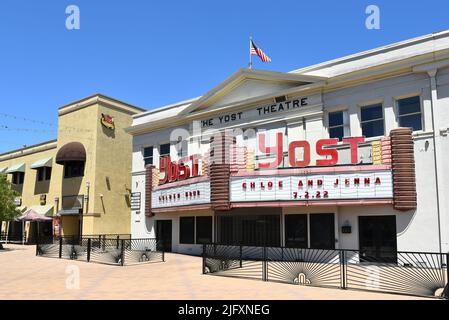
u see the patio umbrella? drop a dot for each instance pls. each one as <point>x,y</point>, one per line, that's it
<point>31,215</point>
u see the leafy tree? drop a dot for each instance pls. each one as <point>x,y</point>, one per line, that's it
<point>8,209</point>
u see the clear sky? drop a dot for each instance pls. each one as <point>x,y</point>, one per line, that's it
<point>150,53</point>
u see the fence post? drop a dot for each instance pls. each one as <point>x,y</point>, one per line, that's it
<point>122,260</point>
<point>264,264</point>
<point>73,253</point>
<point>88,249</point>
<point>103,247</point>
<point>241,250</point>
<point>343,268</point>
<point>60,247</point>
<point>99,242</point>
<point>204,258</point>
<point>118,237</point>
<point>37,245</point>
<point>446,289</point>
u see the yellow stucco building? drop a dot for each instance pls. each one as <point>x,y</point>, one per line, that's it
<point>83,178</point>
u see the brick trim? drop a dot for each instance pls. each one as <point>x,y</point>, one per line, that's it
<point>403,168</point>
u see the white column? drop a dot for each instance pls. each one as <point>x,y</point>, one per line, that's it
<point>436,147</point>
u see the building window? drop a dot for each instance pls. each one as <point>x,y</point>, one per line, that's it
<point>203,230</point>
<point>18,177</point>
<point>43,173</point>
<point>409,113</point>
<point>187,230</point>
<point>148,155</point>
<point>164,150</point>
<point>338,124</point>
<point>73,169</point>
<point>372,121</point>
<point>182,147</point>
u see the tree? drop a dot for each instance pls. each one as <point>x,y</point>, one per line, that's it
<point>8,208</point>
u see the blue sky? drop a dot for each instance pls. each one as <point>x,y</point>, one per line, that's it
<point>151,53</point>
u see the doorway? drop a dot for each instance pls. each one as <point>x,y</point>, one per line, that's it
<point>296,231</point>
<point>377,239</point>
<point>322,231</point>
<point>316,231</point>
<point>164,235</point>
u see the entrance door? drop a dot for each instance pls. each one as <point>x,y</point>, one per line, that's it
<point>377,239</point>
<point>164,235</point>
<point>322,231</point>
<point>296,230</point>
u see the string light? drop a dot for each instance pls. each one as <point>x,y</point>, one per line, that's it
<point>10,116</point>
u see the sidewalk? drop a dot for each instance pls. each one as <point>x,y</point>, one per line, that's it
<point>25,276</point>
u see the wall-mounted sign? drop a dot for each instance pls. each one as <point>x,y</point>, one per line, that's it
<point>332,186</point>
<point>170,171</point>
<point>43,199</point>
<point>258,112</point>
<point>18,201</point>
<point>323,148</point>
<point>135,200</point>
<point>56,226</point>
<point>195,193</point>
<point>107,121</point>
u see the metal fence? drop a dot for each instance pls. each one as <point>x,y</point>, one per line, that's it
<point>411,273</point>
<point>107,249</point>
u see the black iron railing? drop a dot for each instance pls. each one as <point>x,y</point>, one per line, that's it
<point>108,249</point>
<point>411,273</point>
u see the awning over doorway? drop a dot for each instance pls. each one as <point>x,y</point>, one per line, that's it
<point>43,210</point>
<point>69,212</point>
<point>73,151</point>
<point>16,168</point>
<point>42,163</point>
<point>31,215</point>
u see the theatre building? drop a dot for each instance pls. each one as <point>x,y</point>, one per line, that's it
<point>351,153</point>
<point>81,180</point>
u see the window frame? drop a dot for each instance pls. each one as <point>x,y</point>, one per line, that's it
<point>198,218</point>
<point>66,176</point>
<point>398,116</point>
<point>46,174</point>
<point>182,239</point>
<point>373,104</point>
<point>345,124</point>
<point>18,178</point>
<point>160,147</point>
<point>180,150</point>
<point>152,155</point>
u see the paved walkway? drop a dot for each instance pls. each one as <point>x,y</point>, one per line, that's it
<point>25,276</point>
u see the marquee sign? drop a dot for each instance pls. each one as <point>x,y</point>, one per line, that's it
<point>195,193</point>
<point>332,186</point>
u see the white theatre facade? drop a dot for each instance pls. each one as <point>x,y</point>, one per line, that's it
<point>350,154</point>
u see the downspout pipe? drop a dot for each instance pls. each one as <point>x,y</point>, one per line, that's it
<point>434,98</point>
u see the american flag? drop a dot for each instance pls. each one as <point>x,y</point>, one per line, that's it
<point>254,50</point>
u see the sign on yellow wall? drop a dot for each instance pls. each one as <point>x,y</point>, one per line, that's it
<point>107,121</point>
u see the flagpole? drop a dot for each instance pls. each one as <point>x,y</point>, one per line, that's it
<point>250,55</point>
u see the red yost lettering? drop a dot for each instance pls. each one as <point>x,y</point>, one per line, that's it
<point>354,144</point>
<point>292,156</point>
<point>276,150</point>
<point>173,171</point>
<point>333,153</point>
